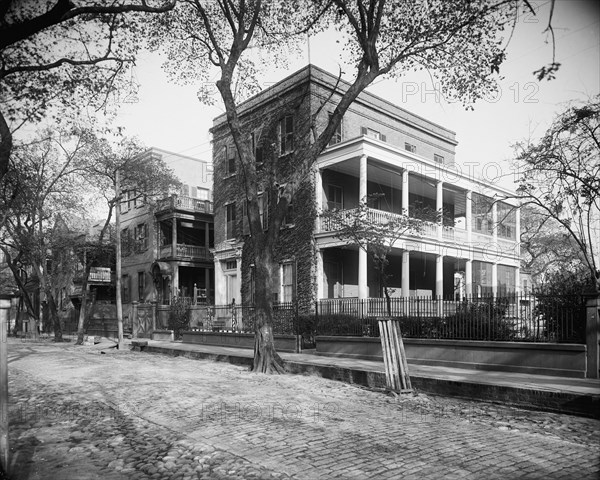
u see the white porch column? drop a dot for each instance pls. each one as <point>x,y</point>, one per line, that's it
<point>363,289</point>
<point>175,281</point>
<point>439,276</point>
<point>469,278</point>
<point>405,273</point>
<point>318,198</point>
<point>174,238</point>
<point>468,216</point>
<point>518,280</point>
<point>494,280</point>
<point>362,186</point>
<point>404,192</point>
<point>439,206</point>
<point>495,222</point>
<point>439,283</point>
<point>320,280</point>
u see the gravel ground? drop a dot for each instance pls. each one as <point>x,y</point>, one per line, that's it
<point>78,413</point>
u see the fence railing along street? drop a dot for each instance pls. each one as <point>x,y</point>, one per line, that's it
<point>527,317</point>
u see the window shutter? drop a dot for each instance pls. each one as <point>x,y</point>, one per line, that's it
<point>266,211</point>
<point>245,224</point>
<point>294,280</point>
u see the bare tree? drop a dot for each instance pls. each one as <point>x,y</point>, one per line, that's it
<point>62,53</point>
<point>560,175</point>
<point>456,41</point>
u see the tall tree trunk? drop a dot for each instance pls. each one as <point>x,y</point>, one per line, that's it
<point>55,320</point>
<point>118,299</point>
<point>266,359</point>
<point>87,267</point>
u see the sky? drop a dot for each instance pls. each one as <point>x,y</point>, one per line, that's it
<point>171,117</point>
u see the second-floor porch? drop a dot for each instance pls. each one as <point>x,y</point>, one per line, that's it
<point>465,211</point>
<point>185,239</point>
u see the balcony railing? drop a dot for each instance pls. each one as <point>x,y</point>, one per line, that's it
<point>181,202</point>
<point>100,275</point>
<point>182,251</point>
<point>429,229</point>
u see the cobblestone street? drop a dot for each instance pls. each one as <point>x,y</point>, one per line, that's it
<point>76,413</point>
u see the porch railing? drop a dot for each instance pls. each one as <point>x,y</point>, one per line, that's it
<point>429,230</point>
<point>185,203</point>
<point>186,251</point>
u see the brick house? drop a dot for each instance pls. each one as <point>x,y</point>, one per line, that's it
<point>379,148</point>
<point>166,243</point>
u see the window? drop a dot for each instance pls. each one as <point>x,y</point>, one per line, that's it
<point>263,210</point>
<point>125,242</point>
<point>438,158</point>
<point>257,148</point>
<point>184,190</point>
<point>141,237</point>
<point>288,282</point>
<point>369,132</point>
<point>286,134</point>
<point>289,215</point>
<point>481,213</point>
<point>202,193</point>
<point>337,134</point>
<point>507,221</point>
<point>482,278</point>
<point>141,286</point>
<point>230,154</point>
<point>231,226</point>
<point>410,147</point>
<point>230,264</point>
<point>335,197</point>
<point>126,289</point>
<point>506,279</point>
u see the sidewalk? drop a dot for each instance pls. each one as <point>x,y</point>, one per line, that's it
<point>577,396</point>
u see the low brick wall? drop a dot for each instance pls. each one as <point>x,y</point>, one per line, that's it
<point>163,335</point>
<point>283,343</point>
<point>565,360</point>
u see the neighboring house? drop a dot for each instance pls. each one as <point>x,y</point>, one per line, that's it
<point>166,243</point>
<point>379,148</point>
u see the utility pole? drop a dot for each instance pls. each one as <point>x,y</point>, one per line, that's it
<point>118,299</point>
<point>4,313</point>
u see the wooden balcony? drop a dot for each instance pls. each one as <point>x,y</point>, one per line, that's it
<point>188,204</point>
<point>185,252</point>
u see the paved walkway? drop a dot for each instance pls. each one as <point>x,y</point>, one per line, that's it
<point>561,394</point>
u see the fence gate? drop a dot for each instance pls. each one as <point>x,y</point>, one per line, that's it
<point>143,324</point>
<point>394,356</point>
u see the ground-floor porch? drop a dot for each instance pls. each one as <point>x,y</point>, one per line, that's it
<point>174,279</point>
<point>348,272</point>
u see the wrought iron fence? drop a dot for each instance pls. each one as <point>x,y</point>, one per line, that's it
<point>242,318</point>
<point>532,317</point>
